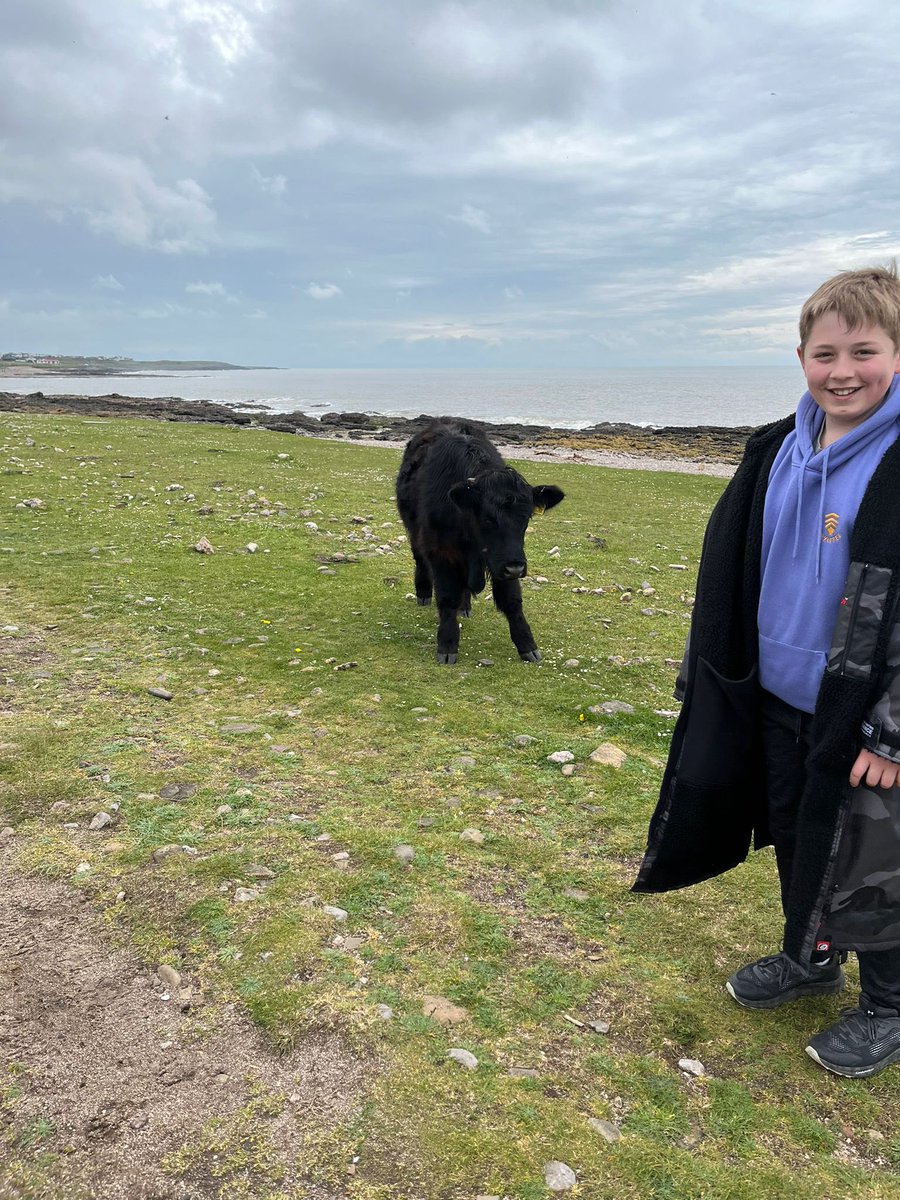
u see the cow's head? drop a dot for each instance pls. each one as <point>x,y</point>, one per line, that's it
<point>501,504</point>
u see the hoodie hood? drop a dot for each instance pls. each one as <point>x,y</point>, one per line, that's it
<point>811,504</point>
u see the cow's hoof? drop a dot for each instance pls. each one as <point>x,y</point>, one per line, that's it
<point>465,612</point>
<point>446,659</point>
<point>423,600</point>
<point>531,656</point>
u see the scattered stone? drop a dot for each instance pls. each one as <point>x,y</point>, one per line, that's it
<point>599,1026</point>
<point>257,872</point>
<point>176,792</point>
<point>523,1073</point>
<point>159,693</point>
<point>559,1177</point>
<point>7,835</point>
<point>524,739</point>
<point>426,822</point>
<point>606,1129</point>
<point>223,810</point>
<point>100,821</point>
<point>561,756</point>
<point>384,1011</point>
<point>608,755</point>
<point>568,769</point>
<point>204,547</point>
<point>485,662</point>
<point>164,852</point>
<point>610,707</point>
<point>444,1011</point>
<point>464,760</point>
<point>475,836</point>
<point>339,914</point>
<point>404,854</point>
<point>465,1058</point>
<point>572,663</point>
<point>352,943</point>
<point>169,977</point>
<point>677,566</point>
<point>251,547</point>
<point>346,666</point>
<point>691,1066</point>
<point>243,894</point>
<point>82,868</point>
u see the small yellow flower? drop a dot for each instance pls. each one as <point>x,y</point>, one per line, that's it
<point>581,716</point>
<point>265,622</point>
<point>298,649</point>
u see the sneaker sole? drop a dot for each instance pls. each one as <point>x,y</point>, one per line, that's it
<point>797,993</point>
<point>854,1072</point>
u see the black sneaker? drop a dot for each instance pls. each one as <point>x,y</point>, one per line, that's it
<point>859,1044</point>
<point>776,979</point>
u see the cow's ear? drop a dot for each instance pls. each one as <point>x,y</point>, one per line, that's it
<point>464,495</point>
<point>546,496</point>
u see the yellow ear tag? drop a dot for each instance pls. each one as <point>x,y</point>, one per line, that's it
<point>537,509</point>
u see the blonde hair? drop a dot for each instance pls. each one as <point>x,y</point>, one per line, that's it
<point>870,296</point>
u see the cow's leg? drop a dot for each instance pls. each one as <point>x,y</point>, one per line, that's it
<point>465,604</point>
<point>448,589</point>
<point>508,598</point>
<point>423,579</point>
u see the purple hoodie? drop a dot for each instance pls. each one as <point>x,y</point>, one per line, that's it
<point>811,504</point>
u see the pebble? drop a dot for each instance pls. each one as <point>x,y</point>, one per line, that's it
<point>692,1066</point>
<point>164,852</point>
<point>159,693</point>
<point>251,547</point>
<point>485,662</point>
<point>100,821</point>
<point>609,755</point>
<point>475,836</point>
<point>524,739</point>
<point>243,894</point>
<point>384,1011</point>
<point>561,756</point>
<point>606,1129</point>
<point>169,977</point>
<point>559,1177</point>
<point>204,547</point>
<point>609,707</point>
<point>339,914</point>
<point>404,854</point>
<point>465,1058</point>
<point>569,769</point>
<point>465,760</point>
<point>523,1073</point>
<point>177,791</point>
<point>7,835</point>
<point>258,872</point>
<point>223,810</point>
<point>599,1026</point>
<point>572,663</point>
<point>574,893</point>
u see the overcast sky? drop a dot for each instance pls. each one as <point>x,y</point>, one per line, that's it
<point>346,183</point>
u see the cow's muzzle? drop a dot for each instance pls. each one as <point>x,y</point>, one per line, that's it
<point>514,570</point>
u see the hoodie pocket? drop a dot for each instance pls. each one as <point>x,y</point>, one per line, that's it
<point>721,729</point>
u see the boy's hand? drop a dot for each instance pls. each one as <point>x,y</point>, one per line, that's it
<point>877,771</point>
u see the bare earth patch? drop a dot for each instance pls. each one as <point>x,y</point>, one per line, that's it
<point>105,1077</point>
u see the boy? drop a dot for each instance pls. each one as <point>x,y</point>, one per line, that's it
<point>789,732</point>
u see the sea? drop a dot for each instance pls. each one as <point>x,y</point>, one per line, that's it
<point>567,399</point>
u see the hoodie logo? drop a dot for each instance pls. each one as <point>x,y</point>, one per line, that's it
<point>831,523</point>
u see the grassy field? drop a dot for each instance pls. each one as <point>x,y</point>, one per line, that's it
<point>317,736</point>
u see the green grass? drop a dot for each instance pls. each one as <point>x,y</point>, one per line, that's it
<point>108,599</point>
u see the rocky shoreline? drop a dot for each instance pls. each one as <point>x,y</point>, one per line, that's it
<point>699,444</point>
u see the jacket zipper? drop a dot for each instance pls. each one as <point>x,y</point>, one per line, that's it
<point>845,653</point>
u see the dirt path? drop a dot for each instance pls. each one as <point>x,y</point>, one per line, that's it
<point>103,1070</point>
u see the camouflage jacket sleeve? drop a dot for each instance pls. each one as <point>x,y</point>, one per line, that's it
<point>853,650</point>
<point>881,729</point>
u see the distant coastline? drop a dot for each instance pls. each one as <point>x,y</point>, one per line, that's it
<point>64,365</point>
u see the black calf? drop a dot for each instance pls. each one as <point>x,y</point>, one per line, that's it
<point>466,513</point>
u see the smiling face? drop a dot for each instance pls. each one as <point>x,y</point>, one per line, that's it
<point>848,371</point>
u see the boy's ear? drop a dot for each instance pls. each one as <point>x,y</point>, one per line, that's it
<point>464,495</point>
<point>800,354</point>
<point>546,496</point>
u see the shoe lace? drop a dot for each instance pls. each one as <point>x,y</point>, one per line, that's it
<point>776,966</point>
<point>865,1024</point>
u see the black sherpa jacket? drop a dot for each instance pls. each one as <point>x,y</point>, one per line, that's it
<point>846,886</point>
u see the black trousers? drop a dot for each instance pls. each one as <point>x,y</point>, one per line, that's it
<point>786,743</point>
